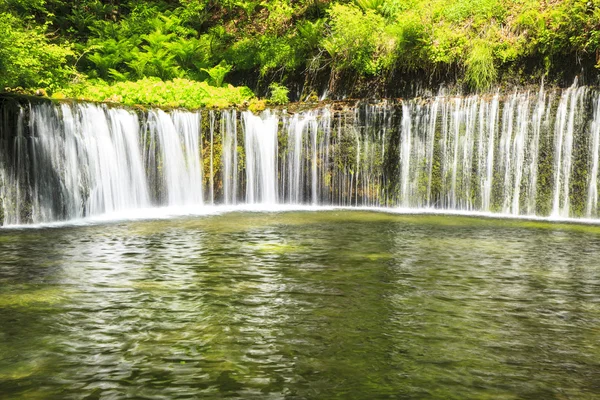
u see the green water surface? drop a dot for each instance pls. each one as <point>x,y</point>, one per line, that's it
<point>301,305</point>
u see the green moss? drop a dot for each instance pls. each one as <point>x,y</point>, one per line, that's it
<point>546,168</point>
<point>581,162</point>
<point>153,91</point>
<point>31,297</point>
<point>21,370</point>
<point>277,248</point>
<point>480,69</point>
<point>212,150</point>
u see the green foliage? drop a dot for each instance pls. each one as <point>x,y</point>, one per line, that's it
<point>310,32</point>
<point>280,16</point>
<point>392,8</point>
<point>358,40</point>
<point>264,54</point>
<point>460,10</point>
<point>481,72</point>
<point>218,72</point>
<point>153,91</point>
<point>279,94</point>
<point>28,60</point>
<point>412,42</point>
<point>129,40</point>
<point>111,54</point>
<point>367,5</point>
<point>158,46</point>
<point>276,52</point>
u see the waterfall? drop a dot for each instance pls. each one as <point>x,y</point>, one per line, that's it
<point>177,138</point>
<point>261,156</point>
<point>569,110</point>
<point>74,161</point>
<point>211,173</point>
<point>295,128</point>
<point>304,163</point>
<point>230,156</point>
<point>110,144</point>
<point>405,156</point>
<point>592,197</point>
<point>522,153</point>
<point>488,119</point>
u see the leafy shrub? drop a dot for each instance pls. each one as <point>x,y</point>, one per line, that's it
<point>28,60</point>
<point>280,15</point>
<point>413,41</point>
<point>276,52</point>
<point>370,4</point>
<point>153,91</point>
<point>218,72</point>
<point>311,31</point>
<point>481,71</point>
<point>156,46</point>
<point>460,10</point>
<point>256,105</point>
<point>125,40</point>
<point>358,40</point>
<point>279,94</point>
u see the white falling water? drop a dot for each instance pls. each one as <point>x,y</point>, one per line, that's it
<point>516,155</point>
<point>230,156</point>
<point>177,136</point>
<point>13,170</point>
<point>305,160</point>
<point>488,120</point>
<point>261,157</point>
<point>457,151</point>
<point>314,184</point>
<point>592,197</point>
<point>295,144</point>
<point>74,181</point>
<point>187,126</point>
<point>371,139</point>
<point>89,152</point>
<point>116,178</point>
<point>211,172</point>
<point>325,162</point>
<point>405,155</point>
<point>505,154</point>
<point>525,153</point>
<point>538,118</point>
<point>50,148</point>
<point>569,108</point>
<point>429,146</point>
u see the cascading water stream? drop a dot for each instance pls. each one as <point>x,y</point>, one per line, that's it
<point>228,127</point>
<point>525,153</point>
<point>177,139</point>
<point>261,157</point>
<point>592,198</point>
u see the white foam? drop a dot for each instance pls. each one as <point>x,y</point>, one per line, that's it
<point>166,213</point>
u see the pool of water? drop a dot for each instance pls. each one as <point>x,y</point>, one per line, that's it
<point>301,305</point>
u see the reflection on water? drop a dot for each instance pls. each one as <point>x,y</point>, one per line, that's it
<point>335,304</point>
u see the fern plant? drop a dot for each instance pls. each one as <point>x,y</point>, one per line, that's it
<point>217,73</point>
<point>279,94</point>
<point>370,4</point>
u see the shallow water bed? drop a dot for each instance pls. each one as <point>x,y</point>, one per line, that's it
<point>329,304</point>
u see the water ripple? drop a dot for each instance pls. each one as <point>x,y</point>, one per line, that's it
<point>349,304</point>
